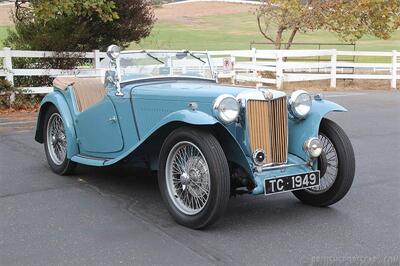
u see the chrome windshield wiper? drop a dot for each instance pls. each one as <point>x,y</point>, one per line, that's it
<point>194,56</point>
<point>153,57</point>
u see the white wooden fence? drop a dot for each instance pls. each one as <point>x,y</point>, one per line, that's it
<point>9,72</point>
<point>250,64</point>
<point>242,65</point>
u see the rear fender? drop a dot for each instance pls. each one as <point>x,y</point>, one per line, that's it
<point>57,99</point>
<point>301,130</point>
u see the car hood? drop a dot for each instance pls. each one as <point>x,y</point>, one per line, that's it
<point>199,91</point>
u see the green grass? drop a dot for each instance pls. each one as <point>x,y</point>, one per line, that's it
<point>238,30</point>
<point>3,34</point>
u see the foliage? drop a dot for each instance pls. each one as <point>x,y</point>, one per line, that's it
<point>5,86</point>
<point>45,11</point>
<point>12,98</point>
<point>275,17</point>
<point>350,20</point>
<point>76,25</point>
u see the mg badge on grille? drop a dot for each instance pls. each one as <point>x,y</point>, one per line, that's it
<point>268,95</point>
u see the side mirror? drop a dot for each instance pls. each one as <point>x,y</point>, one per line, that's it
<point>113,52</point>
<point>112,76</point>
<point>110,79</point>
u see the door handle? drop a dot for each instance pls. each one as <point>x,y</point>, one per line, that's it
<point>113,119</point>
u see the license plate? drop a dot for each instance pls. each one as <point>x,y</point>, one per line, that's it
<point>291,182</point>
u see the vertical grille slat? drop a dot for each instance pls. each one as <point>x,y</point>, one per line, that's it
<point>267,124</point>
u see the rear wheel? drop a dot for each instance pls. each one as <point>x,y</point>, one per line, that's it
<point>193,177</point>
<point>55,143</point>
<point>336,164</point>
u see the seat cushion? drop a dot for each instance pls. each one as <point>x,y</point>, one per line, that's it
<point>88,90</point>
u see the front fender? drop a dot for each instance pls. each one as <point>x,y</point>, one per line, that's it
<point>187,116</point>
<point>301,130</point>
<point>57,99</point>
<point>153,139</point>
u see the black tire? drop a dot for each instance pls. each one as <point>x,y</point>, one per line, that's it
<point>67,166</point>
<point>219,188</point>
<point>345,171</point>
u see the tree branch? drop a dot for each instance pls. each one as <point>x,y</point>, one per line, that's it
<point>291,38</point>
<point>261,30</point>
<point>278,39</point>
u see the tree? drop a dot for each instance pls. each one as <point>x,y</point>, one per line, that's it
<point>280,20</point>
<point>351,20</point>
<point>80,25</point>
<point>77,26</point>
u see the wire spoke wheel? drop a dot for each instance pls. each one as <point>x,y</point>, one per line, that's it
<point>56,140</point>
<point>332,164</point>
<point>336,164</point>
<point>188,178</point>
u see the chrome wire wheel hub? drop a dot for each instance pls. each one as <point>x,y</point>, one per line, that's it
<point>56,140</point>
<point>187,178</point>
<point>331,163</point>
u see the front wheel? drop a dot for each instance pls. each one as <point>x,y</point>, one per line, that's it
<point>336,164</point>
<point>193,177</point>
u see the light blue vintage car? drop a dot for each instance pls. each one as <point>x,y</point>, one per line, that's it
<point>207,141</point>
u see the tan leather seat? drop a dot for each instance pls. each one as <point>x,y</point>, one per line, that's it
<point>88,90</point>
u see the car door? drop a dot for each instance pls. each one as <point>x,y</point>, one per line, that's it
<point>98,129</point>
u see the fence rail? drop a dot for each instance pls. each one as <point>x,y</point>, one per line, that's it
<point>248,64</point>
<point>240,65</point>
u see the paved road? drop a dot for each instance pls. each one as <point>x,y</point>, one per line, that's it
<point>115,216</point>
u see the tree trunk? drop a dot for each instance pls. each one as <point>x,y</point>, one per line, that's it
<point>291,38</point>
<point>278,38</point>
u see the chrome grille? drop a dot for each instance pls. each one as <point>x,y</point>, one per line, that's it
<point>267,125</point>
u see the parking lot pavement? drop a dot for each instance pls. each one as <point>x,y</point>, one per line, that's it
<point>115,216</point>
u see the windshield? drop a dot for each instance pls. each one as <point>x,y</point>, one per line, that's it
<point>139,65</point>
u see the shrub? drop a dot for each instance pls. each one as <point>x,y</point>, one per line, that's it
<point>12,98</point>
<point>63,26</point>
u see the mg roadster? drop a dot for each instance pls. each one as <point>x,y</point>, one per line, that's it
<point>206,140</point>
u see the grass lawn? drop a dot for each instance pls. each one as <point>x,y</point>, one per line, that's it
<point>236,31</point>
<point>3,34</point>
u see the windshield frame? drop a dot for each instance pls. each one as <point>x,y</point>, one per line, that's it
<point>151,52</point>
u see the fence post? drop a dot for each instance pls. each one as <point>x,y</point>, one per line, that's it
<point>233,72</point>
<point>254,59</point>
<point>394,70</point>
<point>96,59</point>
<point>333,68</point>
<point>279,70</point>
<point>7,64</point>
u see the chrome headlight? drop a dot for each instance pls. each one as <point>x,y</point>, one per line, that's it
<point>226,108</point>
<point>300,103</point>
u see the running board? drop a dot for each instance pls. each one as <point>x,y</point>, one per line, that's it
<point>94,161</point>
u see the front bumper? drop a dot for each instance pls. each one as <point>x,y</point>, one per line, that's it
<point>294,166</point>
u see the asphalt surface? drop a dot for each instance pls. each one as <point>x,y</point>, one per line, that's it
<point>115,215</point>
